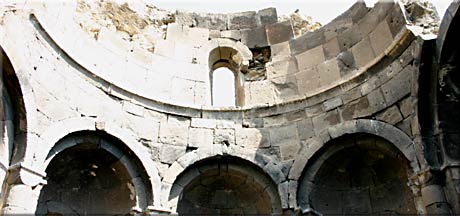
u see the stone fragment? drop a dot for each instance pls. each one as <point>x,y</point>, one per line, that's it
<point>170,153</point>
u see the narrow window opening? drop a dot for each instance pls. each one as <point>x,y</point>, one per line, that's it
<point>223,87</point>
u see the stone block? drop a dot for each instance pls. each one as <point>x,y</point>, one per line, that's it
<point>243,20</point>
<point>329,72</point>
<point>390,115</point>
<point>331,48</point>
<point>283,190</point>
<point>305,129</point>
<point>280,51</point>
<point>325,120</point>
<point>397,87</point>
<point>198,35</point>
<point>298,45</point>
<point>145,128</point>
<point>217,21</point>
<point>310,58</point>
<point>200,137</point>
<point>293,186</point>
<point>332,103</point>
<point>267,16</point>
<point>395,20</point>
<point>232,34</point>
<point>287,139</point>
<point>285,88</point>
<point>376,101</point>
<point>165,48</point>
<point>172,173</point>
<point>214,34</point>
<point>224,137</point>
<point>363,53</point>
<point>349,38</point>
<point>406,106</point>
<point>381,38</point>
<point>346,62</point>
<point>170,153</point>
<point>250,138</point>
<point>188,159</point>
<point>308,81</point>
<point>279,32</point>
<point>256,37</point>
<point>261,93</point>
<point>368,23</point>
<point>173,135</point>
<point>281,68</point>
<point>351,95</point>
<point>275,173</point>
<point>182,91</point>
<point>203,123</point>
<point>405,126</point>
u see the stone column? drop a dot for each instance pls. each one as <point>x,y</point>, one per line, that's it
<point>22,190</point>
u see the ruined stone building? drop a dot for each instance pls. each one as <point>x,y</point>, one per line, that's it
<point>111,108</point>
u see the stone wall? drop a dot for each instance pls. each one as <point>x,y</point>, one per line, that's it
<point>152,112</point>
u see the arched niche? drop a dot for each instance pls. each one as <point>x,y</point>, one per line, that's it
<point>93,173</point>
<point>231,55</point>
<point>224,185</point>
<point>357,174</point>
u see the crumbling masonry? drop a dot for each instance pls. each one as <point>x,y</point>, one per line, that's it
<point>107,108</point>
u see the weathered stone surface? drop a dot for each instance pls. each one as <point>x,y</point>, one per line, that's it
<point>287,138</point>
<point>250,138</point>
<point>325,120</point>
<point>332,103</point>
<point>173,135</point>
<point>310,58</point>
<point>398,87</point>
<point>267,16</point>
<point>390,115</point>
<point>200,137</point>
<point>363,53</point>
<point>349,38</point>
<point>244,20</point>
<point>331,48</point>
<point>170,153</point>
<point>224,137</point>
<point>406,106</point>
<point>279,32</point>
<point>256,37</point>
<point>380,38</point>
<point>328,72</point>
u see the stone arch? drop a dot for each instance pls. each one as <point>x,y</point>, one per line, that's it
<point>104,172</point>
<point>20,101</point>
<point>232,55</point>
<point>228,185</point>
<point>356,173</point>
<point>63,128</point>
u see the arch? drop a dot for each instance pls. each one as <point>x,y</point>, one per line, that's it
<point>22,100</point>
<point>73,125</point>
<point>357,173</point>
<point>232,55</point>
<point>234,178</point>
<point>259,159</point>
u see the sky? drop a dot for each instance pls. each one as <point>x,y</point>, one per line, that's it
<point>322,11</point>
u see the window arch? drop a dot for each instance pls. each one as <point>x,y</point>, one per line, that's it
<point>226,63</point>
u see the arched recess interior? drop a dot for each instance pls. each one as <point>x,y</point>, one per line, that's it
<point>93,173</point>
<point>224,185</point>
<point>13,126</point>
<point>357,174</point>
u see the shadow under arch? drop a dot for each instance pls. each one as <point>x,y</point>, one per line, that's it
<point>357,173</point>
<point>92,172</point>
<point>224,185</point>
<point>12,88</point>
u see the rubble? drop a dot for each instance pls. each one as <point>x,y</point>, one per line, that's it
<point>300,23</point>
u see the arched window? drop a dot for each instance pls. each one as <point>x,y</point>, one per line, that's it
<point>223,87</point>
<point>227,64</point>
